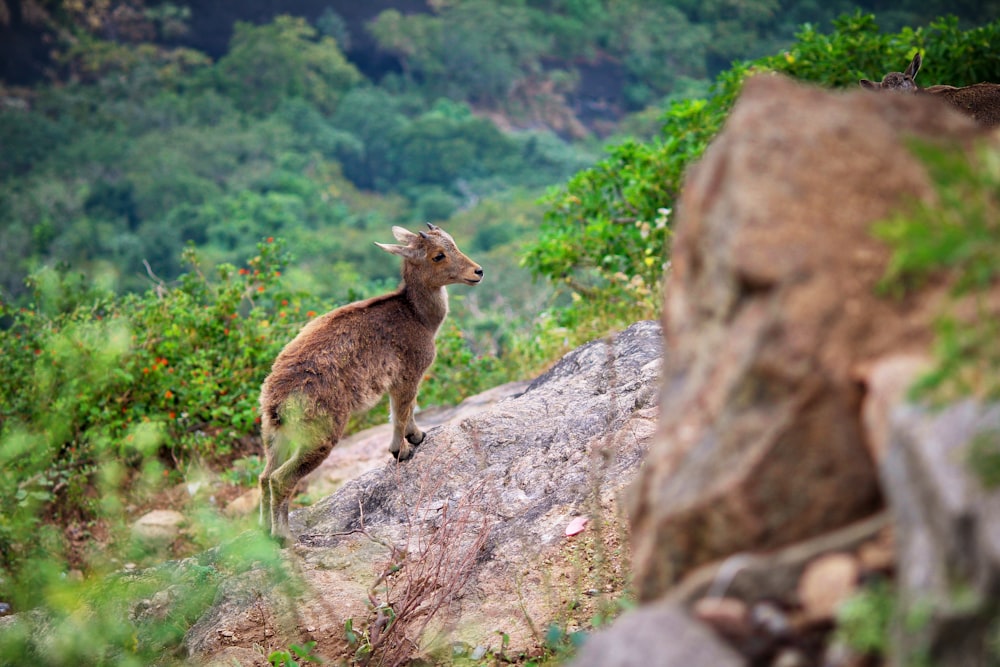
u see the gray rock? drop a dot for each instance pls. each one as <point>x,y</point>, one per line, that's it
<point>659,634</point>
<point>533,450</point>
<point>947,534</point>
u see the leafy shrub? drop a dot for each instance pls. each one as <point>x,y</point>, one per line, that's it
<point>605,236</point>
<point>863,620</point>
<point>104,397</point>
<point>170,376</point>
<point>955,241</point>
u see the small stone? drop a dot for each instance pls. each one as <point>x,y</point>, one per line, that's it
<point>728,616</point>
<point>878,555</point>
<point>767,616</point>
<point>790,657</point>
<point>244,505</point>
<point>826,583</point>
<point>577,525</point>
<point>158,526</point>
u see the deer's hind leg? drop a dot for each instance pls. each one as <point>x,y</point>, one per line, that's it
<point>303,454</point>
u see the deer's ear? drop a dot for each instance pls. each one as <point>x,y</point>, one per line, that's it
<point>401,250</point>
<point>869,85</point>
<point>392,248</point>
<point>403,235</point>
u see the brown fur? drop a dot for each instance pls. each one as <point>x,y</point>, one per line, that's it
<point>981,101</point>
<point>346,360</point>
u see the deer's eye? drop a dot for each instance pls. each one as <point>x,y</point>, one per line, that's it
<point>438,257</point>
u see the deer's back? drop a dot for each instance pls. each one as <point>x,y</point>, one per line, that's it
<point>349,357</point>
<point>981,101</point>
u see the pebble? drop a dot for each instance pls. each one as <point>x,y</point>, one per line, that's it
<point>826,583</point>
<point>727,615</point>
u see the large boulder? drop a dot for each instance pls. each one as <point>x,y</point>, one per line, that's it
<point>772,320</point>
<point>470,539</point>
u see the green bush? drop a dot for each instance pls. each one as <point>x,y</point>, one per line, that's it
<point>863,620</point>
<point>954,242</point>
<point>170,376</point>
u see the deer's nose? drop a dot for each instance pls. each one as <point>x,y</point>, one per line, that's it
<point>479,272</point>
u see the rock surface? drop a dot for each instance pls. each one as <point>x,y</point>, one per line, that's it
<point>771,319</point>
<point>362,452</point>
<point>365,451</point>
<point>668,637</point>
<point>479,515</point>
<point>948,535</point>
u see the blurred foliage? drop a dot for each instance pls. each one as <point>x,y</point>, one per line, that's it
<point>864,619</point>
<point>105,397</point>
<point>954,241</point>
<point>127,615</point>
<point>474,50</point>
<point>157,379</point>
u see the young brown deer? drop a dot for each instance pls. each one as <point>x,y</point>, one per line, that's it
<point>981,101</point>
<point>346,360</point>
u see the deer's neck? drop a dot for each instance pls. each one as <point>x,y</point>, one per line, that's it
<point>429,303</point>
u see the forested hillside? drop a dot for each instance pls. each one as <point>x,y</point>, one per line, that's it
<point>133,129</point>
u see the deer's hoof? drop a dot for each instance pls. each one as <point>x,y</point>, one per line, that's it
<point>282,539</point>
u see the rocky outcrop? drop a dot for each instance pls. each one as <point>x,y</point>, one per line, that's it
<point>474,527</point>
<point>771,318</point>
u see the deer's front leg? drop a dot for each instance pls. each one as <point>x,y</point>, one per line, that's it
<point>405,431</point>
